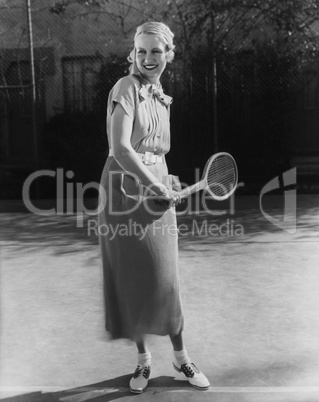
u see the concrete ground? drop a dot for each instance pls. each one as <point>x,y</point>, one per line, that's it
<point>250,296</point>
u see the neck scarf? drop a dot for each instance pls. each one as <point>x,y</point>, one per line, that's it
<point>148,90</point>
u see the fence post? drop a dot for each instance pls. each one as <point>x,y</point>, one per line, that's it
<point>34,91</point>
<point>214,76</point>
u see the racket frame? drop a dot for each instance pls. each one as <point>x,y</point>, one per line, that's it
<point>203,183</point>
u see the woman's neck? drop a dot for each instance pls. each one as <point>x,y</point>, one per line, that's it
<point>146,80</point>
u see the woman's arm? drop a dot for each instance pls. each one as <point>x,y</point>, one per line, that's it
<point>124,154</point>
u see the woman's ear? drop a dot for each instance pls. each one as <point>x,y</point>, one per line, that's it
<point>170,56</point>
<point>131,57</point>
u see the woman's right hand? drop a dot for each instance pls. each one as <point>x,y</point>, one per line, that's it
<point>170,197</point>
<point>159,189</point>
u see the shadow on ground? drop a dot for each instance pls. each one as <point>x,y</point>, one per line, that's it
<point>271,383</point>
<point>106,391</point>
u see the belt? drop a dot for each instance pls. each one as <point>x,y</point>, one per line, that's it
<point>148,158</point>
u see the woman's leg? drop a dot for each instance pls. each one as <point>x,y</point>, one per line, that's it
<point>141,344</point>
<point>140,378</point>
<point>177,341</point>
<point>180,353</point>
<point>144,356</point>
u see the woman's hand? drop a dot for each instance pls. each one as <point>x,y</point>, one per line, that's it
<point>175,198</point>
<point>171,197</point>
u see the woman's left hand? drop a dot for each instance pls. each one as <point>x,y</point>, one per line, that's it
<point>174,198</point>
<point>168,197</point>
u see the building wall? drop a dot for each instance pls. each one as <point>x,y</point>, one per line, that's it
<point>67,34</point>
<point>56,38</point>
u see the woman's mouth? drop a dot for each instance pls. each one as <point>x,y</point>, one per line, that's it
<point>150,67</point>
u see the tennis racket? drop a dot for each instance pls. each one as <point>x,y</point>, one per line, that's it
<point>220,178</point>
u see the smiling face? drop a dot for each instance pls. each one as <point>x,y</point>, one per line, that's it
<point>151,56</point>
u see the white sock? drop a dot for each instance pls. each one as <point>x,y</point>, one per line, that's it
<point>144,358</point>
<point>182,357</point>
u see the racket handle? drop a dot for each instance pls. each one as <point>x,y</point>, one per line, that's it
<point>192,189</point>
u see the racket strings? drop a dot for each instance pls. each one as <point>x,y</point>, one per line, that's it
<point>221,176</point>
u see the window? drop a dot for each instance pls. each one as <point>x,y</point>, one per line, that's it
<point>311,91</point>
<point>18,74</point>
<point>79,79</point>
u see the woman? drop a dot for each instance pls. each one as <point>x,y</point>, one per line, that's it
<point>138,222</point>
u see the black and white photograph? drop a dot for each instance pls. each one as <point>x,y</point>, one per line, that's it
<point>159,200</point>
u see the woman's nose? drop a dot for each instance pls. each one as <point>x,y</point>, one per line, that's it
<point>148,57</point>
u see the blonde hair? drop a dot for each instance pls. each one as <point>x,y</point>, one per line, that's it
<point>158,29</point>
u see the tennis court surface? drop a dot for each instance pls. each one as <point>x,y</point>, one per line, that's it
<point>250,296</point>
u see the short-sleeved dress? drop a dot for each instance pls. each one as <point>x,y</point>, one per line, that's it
<point>138,235</point>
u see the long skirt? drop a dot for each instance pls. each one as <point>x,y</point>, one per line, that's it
<point>139,247</point>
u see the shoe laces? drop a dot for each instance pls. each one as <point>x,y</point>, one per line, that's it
<point>189,369</point>
<point>143,370</point>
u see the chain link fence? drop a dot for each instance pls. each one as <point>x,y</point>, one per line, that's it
<point>79,59</point>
